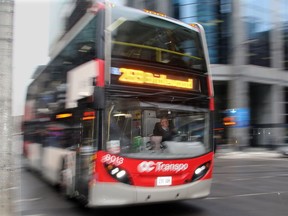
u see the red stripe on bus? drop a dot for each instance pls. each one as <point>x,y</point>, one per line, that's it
<point>100,78</point>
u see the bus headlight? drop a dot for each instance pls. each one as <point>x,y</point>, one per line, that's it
<point>201,171</point>
<point>117,173</point>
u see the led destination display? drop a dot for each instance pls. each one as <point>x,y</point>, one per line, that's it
<point>140,77</point>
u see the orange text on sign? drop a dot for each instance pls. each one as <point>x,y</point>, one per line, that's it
<point>142,77</point>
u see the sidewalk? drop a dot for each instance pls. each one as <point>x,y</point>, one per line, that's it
<point>229,151</point>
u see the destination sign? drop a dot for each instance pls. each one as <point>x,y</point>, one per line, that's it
<point>133,76</point>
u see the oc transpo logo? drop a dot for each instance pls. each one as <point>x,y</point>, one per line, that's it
<point>148,166</point>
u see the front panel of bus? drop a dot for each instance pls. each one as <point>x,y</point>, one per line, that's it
<point>155,68</point>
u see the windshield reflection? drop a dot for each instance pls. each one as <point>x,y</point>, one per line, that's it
<point>134,129</point>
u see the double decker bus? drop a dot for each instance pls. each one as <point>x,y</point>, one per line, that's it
<point>90,114</point>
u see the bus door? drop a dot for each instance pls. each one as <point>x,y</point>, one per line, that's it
<point>85,153</point>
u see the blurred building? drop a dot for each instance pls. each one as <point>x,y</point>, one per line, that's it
<point>248,47</point>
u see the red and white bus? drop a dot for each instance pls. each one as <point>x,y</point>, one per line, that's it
<point>90,114</point>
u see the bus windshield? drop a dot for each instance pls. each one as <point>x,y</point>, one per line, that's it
<point>132,125</point>
<point>141,36</point>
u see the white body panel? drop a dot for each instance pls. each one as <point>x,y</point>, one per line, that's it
<point>113,194</point>
<point>80,82</point>
<point>35,152</point>
<point>49,162</point>
<point>52,163</point>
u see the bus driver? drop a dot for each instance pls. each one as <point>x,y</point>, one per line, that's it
<point>163,129</point>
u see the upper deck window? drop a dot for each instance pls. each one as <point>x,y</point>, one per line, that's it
<point>141,36</point>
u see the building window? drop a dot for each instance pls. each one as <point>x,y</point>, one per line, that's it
<point>284,21</point>
<point>286,47</point>
<point>214,16</point>
<point>257,18</point>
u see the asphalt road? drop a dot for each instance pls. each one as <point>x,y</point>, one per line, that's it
<point>250,184</point>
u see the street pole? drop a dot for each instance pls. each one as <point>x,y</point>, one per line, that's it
<point>6,156</point>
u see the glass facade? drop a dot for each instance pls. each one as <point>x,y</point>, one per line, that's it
<point>284,26</point>
<point>259,20</point>
<point>214,16</point>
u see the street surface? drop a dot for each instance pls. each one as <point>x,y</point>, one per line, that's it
<point>250,184</point>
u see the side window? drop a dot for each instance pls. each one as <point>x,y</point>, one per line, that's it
<point>82,48</point>
<point>87,129</point>
<point>55,138</point>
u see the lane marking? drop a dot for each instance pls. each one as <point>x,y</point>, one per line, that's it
<point>28,200</point>
<point>276,158</point>
<point>239,166</point>
<point>260,177</point>
<point>251,178</point>
<point>247,195</point>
